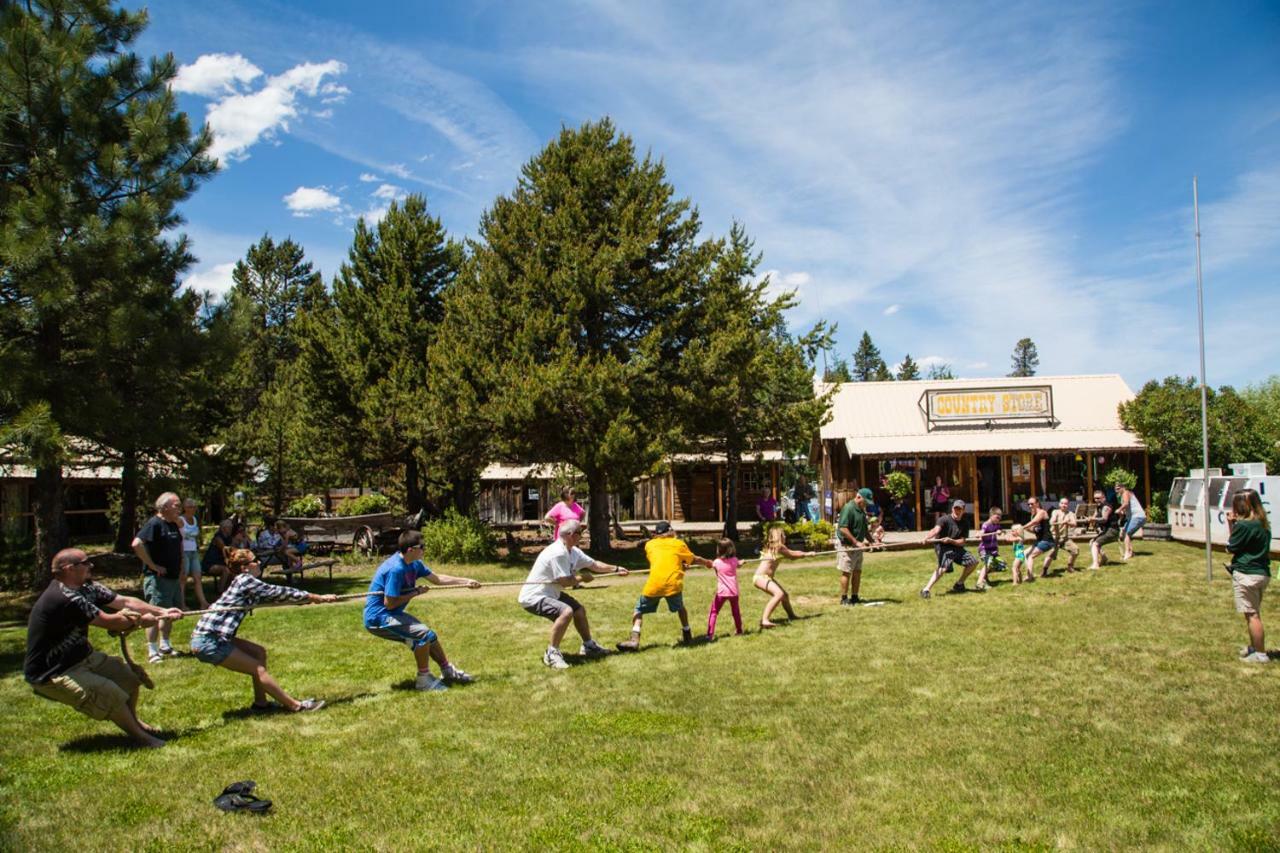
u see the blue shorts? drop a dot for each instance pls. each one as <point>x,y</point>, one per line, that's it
<point>191,562</point>
<point>1044,545</point>
<point>1133,525</point>
<point>211,648</point>
<point>648,604</point>
<point>403,629</point>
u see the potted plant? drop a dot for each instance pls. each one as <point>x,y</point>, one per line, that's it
<point>900,487</point>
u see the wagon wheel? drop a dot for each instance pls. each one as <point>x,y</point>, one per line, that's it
<point>364,541</point>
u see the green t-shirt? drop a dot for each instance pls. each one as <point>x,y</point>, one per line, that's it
<point>1251,544</point>
<point>852,517</point>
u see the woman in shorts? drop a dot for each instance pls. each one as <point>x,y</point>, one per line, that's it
<point>214,639</point>
<point>1250,568</point>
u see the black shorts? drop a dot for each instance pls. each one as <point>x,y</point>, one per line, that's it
<point>1106,537</point>
<point>551,608</point>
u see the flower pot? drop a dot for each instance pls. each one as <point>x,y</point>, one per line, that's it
<point>1156,532</point>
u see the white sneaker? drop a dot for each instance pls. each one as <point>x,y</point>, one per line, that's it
<point>554,659</point>
<point>453,675</point>
<point>168,650</point>
<point>1257,657</point>
<point>1245,651</point>
<point>427,681</point>
<point>155,657</point>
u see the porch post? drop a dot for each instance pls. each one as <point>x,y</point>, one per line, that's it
<point>919,517</point>
<point>1146,480</point>
<point>1088,475</point>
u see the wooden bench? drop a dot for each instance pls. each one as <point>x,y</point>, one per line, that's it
<point>303,569</point>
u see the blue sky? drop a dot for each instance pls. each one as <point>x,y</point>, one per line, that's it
<point>950,177</point>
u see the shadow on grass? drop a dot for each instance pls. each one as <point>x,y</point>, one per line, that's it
<point>407,685</point>
<point>250,713</point>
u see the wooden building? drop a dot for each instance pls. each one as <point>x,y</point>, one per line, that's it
<point>992,441</point>
<point>513,493</point>
<point>692,487</point>
<point>88,482</point>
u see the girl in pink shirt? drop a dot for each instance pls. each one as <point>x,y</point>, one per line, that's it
<point>568,508</point>
<point>726,566</point>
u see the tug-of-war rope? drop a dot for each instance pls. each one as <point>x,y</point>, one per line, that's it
<point>486,585</point>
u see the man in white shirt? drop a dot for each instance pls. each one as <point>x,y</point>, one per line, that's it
<point>555,570</point>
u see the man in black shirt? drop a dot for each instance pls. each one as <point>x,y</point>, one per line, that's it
<point>949,535</point>
<point>62,666</point>
<point>159,547</point>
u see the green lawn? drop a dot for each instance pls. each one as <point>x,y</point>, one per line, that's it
<point>1102,710</point>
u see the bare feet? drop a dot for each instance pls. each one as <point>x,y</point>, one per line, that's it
<point>766,625</point>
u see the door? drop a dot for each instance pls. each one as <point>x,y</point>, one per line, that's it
<point>990,483</point>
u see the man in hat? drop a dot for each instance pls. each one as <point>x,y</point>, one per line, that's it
<point>668,559</point>
<point>950,535</point>
<point>852,536</point>
<point>62,666</point>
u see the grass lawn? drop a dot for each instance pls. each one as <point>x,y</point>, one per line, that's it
<point>1100,710</point>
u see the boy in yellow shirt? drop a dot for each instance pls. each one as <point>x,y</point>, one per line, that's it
<point>668,558</point>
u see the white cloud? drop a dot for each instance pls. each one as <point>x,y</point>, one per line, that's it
<point>305,201</point>
<point>389,192</point>
<point>240,119</point>
<point>796,279</point>
<point>369,177</point>
<point>933,361</point>
<point>891,310</point>
<point>215,279</point>
<point>215,74</point>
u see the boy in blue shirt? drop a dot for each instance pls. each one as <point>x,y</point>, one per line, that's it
<point>394,585</point>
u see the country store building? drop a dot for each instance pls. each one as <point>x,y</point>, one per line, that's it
<point>992,441</point>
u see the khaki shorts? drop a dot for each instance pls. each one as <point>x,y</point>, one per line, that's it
<point>1065,545</point>
<point>848,560</point>
<point>96,687</point>
<point>1248,590</point>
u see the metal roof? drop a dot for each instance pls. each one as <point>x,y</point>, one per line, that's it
<point>886,419</point>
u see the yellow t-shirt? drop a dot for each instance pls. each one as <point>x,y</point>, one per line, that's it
<point>668,557</point>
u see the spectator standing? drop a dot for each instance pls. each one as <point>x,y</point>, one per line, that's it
<point>1250,545</point>
<point>568,509</point>
<point>61,664</point>
<point>803,494</point>
<point>939,496</point>
<point>191,564</point>
<point>766,508</point>
<point>159,547</point>
<point>214,562</point>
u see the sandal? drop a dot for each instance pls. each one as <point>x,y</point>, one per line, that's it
<point>238,797</point>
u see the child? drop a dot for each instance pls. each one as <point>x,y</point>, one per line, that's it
<point>726,566</point>
<point>989,546</point>
<point>668,557</point>
<point>775,548</point>
<point>1019,555</point>
<point>214,639</point>
<point>394,585</point>
<point>1250,567</point>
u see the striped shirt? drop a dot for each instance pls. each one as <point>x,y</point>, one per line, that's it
<point>245,591</point>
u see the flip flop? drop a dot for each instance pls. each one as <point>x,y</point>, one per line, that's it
<point>241,803</point>
<point>245,787</point>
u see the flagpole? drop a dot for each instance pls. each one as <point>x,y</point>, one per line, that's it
<point>1204,392</point>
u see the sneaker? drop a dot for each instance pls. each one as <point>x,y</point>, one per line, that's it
<point>1257,657</point>
<point>310,705</point>
<point>554,659</point>
<point>1245,651</point>
<point>924,593</point>
<point>632,645</point>
<point>958,588</point>
<point>453,675</point>
<point>854,601</point>
<point>155,657</point>
<point>427,681</point>
<point>686,639</point>
<point>592,649</point>
<point>168,650</point>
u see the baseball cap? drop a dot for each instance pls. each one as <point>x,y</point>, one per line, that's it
<point>958,503</point>
<point>662,527</point>
<point>867,493</point>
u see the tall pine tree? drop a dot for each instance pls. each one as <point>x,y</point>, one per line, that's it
<point>1025,358</point>
<point>574,305</point>
<point>95,159</point>
<point>868,365</point>
<point>908,369</point>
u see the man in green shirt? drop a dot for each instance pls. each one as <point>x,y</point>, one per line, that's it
<point>852,535</point>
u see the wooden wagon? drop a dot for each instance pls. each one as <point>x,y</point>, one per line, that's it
<point>366,534</point>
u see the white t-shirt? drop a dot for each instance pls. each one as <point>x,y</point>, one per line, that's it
<point>556,561</point>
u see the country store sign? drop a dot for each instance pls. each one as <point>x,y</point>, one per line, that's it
<point>988,404</point>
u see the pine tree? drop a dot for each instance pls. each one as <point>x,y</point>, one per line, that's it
<point>1025,358</point>
<point>941,371</point>
<point>868,365</point>
<point>571,312</point>
<point>96,157</point>
<point>744,380</point>
<point>266,389</point>
<point>908,369</point>
<point>838,371</point>
<point>387,306</point>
